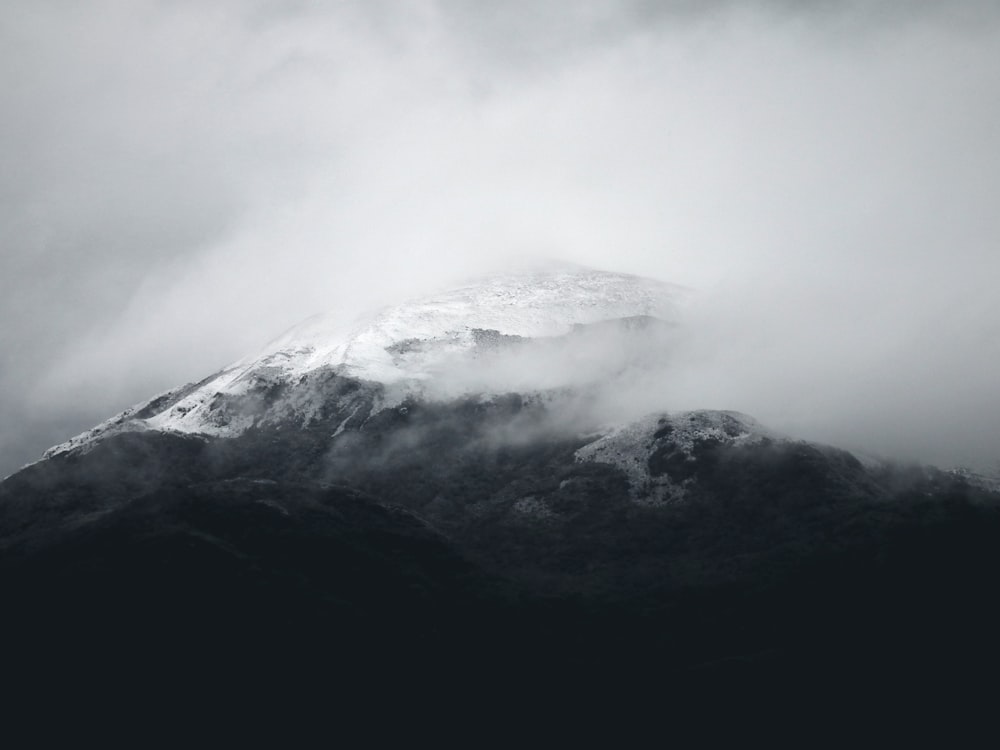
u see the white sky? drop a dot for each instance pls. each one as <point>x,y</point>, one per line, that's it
<point>181,181</point>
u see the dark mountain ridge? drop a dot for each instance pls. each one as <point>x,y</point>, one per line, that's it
<point>295,521</point>
<point>428,527</point>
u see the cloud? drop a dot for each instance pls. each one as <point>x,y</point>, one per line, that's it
<point>184,181</point>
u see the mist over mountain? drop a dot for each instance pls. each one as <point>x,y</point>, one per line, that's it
<point>737,443</point>
<point>489,485</point>
<point>821,174</point>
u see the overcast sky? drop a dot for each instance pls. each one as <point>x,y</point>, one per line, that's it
<point>181,181</point>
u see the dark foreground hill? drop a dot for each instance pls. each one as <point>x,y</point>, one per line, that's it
<point>468,542</point>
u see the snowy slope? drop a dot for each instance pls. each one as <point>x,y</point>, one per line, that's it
<point>529,305</point>
<point>630,446</point>
<point>408,346</point>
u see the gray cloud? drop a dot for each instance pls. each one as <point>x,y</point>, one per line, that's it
<point>182,181</point>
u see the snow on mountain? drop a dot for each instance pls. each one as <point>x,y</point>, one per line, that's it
<point>675,436</point>
<point>529,305</point>
<point>412,346</point>
<point>989,482</point>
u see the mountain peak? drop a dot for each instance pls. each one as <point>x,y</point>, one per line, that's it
<point>546,327</point>
<point>545,301</point>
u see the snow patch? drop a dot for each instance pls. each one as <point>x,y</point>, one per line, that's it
<point>988,482</point>
<point>630,446</point>
<point>343,425</point>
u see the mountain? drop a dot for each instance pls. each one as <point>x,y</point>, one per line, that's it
<point>442,487</point>
<point>543,330</point>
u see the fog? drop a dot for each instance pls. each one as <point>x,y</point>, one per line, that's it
<point>184,181</point>
<point>595,376</point>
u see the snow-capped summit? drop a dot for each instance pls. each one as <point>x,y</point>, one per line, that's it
<point>555,320</point>
<point>533,304</point>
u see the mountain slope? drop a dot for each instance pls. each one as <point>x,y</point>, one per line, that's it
<point>434,491</point>
<point>477,338</point>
